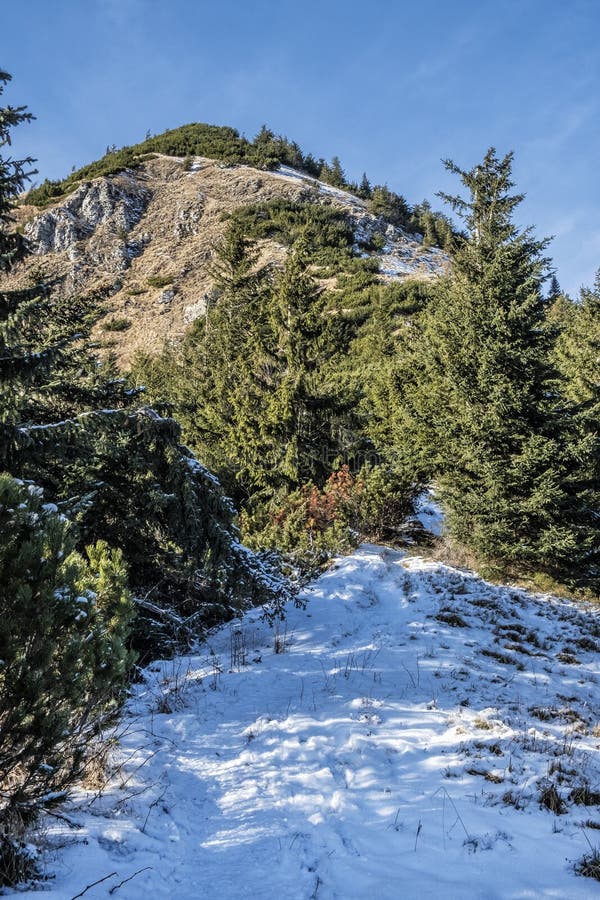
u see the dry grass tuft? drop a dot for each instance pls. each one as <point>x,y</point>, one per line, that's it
<point>551,799</point>
<point>589,865</point>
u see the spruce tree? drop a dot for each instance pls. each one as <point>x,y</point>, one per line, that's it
<point>21,363</point>
<point>13,176</point>
<point>146,493</point>
<point>265,147</point>
<point>64,621</point>
<point>554,290</point>
<point>577,355</point>
<point>303,413</point>
<point>333,173</point>
<point>393,207</point>
<point>364,189</point>
<point>215,381</point>
<point>578,348</point>
<point>482,402</point>
<point>252,383</point>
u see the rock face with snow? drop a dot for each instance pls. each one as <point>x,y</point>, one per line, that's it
<point>402,254</point>
<point>125,234</point>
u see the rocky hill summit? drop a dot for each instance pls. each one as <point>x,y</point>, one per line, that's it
<point>143,239</point>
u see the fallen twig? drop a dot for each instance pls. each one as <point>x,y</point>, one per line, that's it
<point>93,884</point>
<point>116,887</point>
<point>76,826</point>
<point>150,808</point>
<point>458,815</point>
<point>419,827</point>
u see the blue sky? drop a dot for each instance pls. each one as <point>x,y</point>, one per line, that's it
<point>390,87</point>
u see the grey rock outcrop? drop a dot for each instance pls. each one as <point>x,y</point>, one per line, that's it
<point>120,201</point>
<point>188,218</point>
<point>166,296</point>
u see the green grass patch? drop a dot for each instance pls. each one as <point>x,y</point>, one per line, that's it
<point>160,281</point>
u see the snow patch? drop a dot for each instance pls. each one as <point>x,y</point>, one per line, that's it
<point>399,746</point>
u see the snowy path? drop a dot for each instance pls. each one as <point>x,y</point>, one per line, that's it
<point>397,748</point>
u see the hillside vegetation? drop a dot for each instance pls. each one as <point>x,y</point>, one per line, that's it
<point>267,151</point>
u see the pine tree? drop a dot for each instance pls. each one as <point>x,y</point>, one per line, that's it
<point>482,405</point>
<point>64,621</point>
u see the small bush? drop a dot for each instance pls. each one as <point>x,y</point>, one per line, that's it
<point>447,617</point>
<point>301,526</point>
<point>18,860</point>
<point>312,525</point>
<point>160,281</point>
<point>503,658</point>
<point>47,193</point>
<point>482,724</point>
<point>381,502</point>
<point>510,798</point>
<point>377,241</point>
<point>324,230</point>
<point>586,643</point>
<point>568,658</point>
<point>117,323</point>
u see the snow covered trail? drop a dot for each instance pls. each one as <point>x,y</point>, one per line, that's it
<point>399,746</point>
